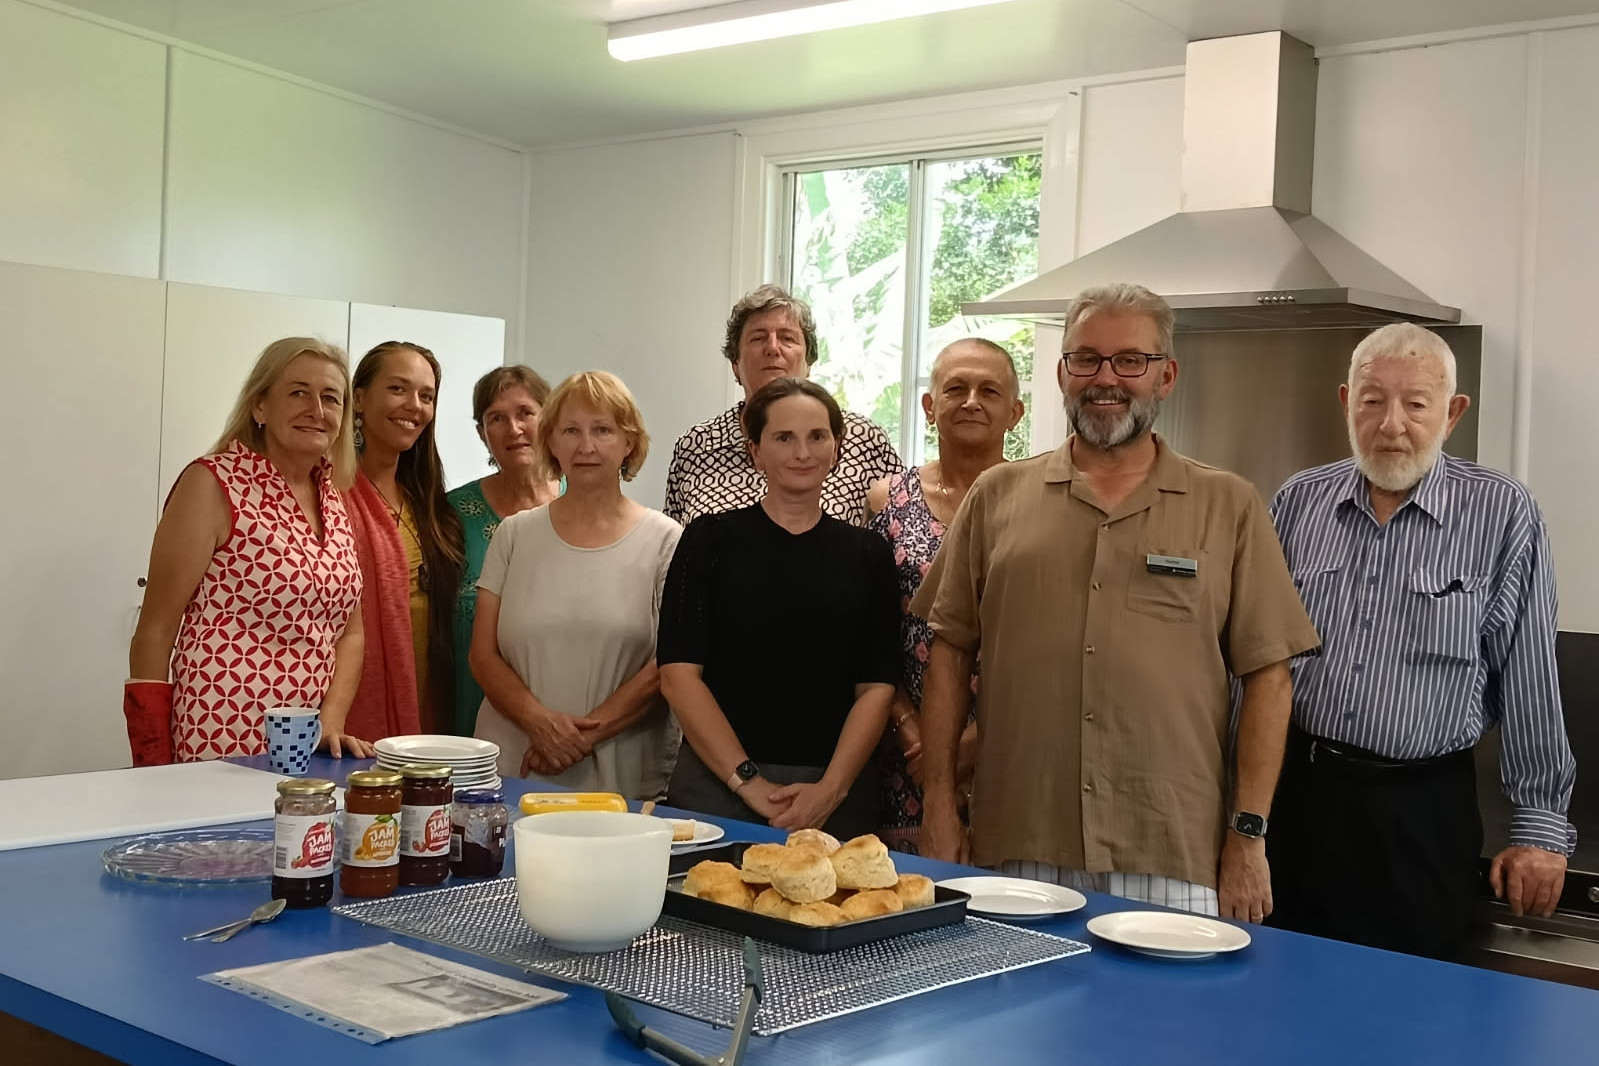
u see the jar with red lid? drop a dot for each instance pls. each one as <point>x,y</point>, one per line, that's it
<point>302,842</point>
<point>425,825</point>
<point>371,845</point>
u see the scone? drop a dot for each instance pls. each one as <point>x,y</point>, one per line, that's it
<point>816,914</point>
<point>729,893</point>
<point>873,903</point>
<point>704,874</point>
<point>864,863</point>
<point>804,875</point>
<point>837,898</point>
<point>772,904</point>
<point>914,891</point>
<point>682,830</point>
<point>759,860</point>
<point>813,838</point>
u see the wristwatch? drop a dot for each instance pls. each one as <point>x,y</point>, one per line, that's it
<point>743,772</point>
<point>1249,825</point>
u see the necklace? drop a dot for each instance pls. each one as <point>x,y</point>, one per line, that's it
<point>394,509</point>
<point>943,489</point>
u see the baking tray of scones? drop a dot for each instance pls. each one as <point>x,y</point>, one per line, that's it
<point>810,892</point>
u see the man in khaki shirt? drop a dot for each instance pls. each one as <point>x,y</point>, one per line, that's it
<point>1111,588</point>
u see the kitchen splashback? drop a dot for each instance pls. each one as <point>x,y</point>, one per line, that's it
<point>1264,403</point>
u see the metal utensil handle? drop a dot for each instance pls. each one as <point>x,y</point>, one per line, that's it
<point>235,931</point>
<point>233,926</point>
<point>642,1036</point>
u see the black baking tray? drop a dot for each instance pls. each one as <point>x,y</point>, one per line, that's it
<point>948,908</point>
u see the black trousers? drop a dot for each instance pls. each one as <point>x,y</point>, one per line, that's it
<point>1375,854</point>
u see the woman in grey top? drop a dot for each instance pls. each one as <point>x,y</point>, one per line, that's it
<point>564,641</point>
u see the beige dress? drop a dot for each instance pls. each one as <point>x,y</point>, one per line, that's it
<point>575,624</point>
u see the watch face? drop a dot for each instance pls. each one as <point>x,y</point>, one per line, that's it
<point>747,770</point>
<point>1250,825</point>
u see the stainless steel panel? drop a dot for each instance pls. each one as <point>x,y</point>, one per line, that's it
<point>1265,403</point>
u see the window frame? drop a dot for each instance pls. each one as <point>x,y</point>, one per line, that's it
<point>913,377</point>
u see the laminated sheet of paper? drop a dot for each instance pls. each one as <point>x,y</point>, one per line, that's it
<point>378,993</point>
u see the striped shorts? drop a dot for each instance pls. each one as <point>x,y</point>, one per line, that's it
<point>1145,888</point>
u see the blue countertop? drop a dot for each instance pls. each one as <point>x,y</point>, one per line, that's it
<point>99,961</point>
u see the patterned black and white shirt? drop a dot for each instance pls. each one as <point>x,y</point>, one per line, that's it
<point>711,471</point>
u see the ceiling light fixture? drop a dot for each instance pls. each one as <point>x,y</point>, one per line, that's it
<point>744,21</point>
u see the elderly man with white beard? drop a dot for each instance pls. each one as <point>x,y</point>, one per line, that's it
<point>1430,581</point>
<point>1112,588</point>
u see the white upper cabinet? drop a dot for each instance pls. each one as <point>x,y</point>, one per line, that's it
<point>80,439</point>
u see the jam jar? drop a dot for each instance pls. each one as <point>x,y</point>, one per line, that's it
<point>425,825</point>
<point>302,842</point>
<point>477,836</point>
<point>371,845</point>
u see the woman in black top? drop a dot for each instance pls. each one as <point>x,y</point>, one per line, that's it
<point>779,637</point>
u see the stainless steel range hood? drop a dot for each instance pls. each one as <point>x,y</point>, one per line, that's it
<point>1244,252</point>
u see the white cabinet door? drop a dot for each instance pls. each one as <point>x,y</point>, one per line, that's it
<point>466,346</point>
<point>213,338</point>
<point>80,439</point>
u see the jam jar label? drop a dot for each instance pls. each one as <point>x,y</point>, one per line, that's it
<point>371,839</point>
<point>425,831</point>
<point>302,845</point>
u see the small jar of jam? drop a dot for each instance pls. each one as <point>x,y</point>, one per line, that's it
<point>302,842</point>
<point>371,845</point>
<point>477,835</point>
<point>425,825</point>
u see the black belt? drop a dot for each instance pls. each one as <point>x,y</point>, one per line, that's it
<point>1337,755</point>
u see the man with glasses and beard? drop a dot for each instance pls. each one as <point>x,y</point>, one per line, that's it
<point>1430,580</point>
<point>1112,589</point>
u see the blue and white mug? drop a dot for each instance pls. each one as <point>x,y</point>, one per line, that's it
<point>292,734</point>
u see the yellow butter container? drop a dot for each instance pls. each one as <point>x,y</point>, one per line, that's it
<point>545,802</point>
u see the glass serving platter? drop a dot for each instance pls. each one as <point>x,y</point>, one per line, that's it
<point>193,857</point>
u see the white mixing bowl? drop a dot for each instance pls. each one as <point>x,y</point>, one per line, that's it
<point>591,880</point>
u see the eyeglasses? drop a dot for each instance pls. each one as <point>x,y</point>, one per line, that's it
<point>1122,364</point>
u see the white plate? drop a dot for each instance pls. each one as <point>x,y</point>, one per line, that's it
<point>704,833</point>
<point>427,747</point>
<point>1168,935</point>
<point>1016,898</point>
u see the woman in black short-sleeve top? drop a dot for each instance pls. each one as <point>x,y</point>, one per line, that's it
<point>779,637</point>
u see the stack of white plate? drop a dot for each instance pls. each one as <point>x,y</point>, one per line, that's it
<point>471,761</point>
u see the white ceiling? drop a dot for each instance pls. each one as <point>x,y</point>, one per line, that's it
<point>536,72</point>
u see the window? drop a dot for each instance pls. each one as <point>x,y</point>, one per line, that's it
<point>885,252</point>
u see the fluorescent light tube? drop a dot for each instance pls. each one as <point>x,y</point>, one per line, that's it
<point>760,20</point>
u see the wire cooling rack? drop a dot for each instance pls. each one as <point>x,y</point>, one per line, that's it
<point>698,971</point>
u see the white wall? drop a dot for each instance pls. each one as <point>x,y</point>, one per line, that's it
<point>270,184</point>
<point>81,113</point>
<point>630,270</point>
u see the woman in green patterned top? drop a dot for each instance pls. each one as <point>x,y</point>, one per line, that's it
<point>505,403</point>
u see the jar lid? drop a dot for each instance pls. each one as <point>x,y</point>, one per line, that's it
<point>423,770</point>
<point>373,779</point>
<point>306,786</point>
<point>480,795</point>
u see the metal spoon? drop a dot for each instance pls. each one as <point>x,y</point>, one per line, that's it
<point>264,913</point>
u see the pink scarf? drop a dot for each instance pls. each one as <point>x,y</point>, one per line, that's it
<point>385,704</point>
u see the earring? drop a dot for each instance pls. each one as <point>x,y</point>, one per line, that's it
<point>360,439</point>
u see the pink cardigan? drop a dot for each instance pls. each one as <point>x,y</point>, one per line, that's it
<point>385,704</point>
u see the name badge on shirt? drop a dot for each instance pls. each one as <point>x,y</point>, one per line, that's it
<point>1172,564</point>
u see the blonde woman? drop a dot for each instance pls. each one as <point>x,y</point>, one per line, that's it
<point>564,642</point>
<point>253,583</point>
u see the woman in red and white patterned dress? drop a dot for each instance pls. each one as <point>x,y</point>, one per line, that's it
<point>253,583</point>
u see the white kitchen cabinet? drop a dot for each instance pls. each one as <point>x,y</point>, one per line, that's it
<point>213,337</point>
<point>466,346</point>
<point>80,439</point>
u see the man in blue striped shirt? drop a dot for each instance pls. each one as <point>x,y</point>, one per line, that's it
<point>1430,581</point>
